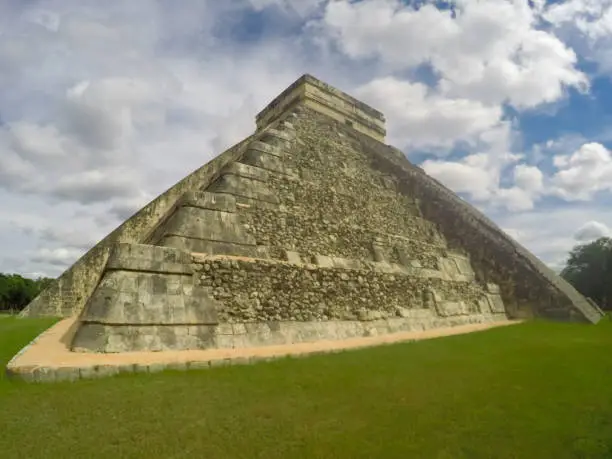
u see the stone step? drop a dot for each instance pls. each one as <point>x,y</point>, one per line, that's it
<point>265,148</point>
<point>208,225</point>
<point>244,187</point>
<point>246,171</point>
<point>276,137</point>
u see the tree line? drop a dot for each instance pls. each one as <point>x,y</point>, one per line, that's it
<point>17,291</point>
<point>588,269</point>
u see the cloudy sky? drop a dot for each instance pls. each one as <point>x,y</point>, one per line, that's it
<point>105,104</point>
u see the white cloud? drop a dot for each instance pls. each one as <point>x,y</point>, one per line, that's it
<point>125,208</point>
<point>490,51</point>
<point>36,142</point>
<point>419,117</point>
<point>592,230</point>
<point>528,178</point>
<point>111,104</point>
<point>302,8</point>
<point>472,174</point>
<point>96,185</point>
<point>62,257</point>
<point>551,233</point>
<point>484,55</point>
<point>583,173</point>
<point>587,24</point>
<point>479,176</point>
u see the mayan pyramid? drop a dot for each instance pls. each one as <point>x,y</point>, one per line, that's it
<point>311,228</point>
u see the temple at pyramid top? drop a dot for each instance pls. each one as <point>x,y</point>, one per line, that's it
<point>310,228</point>
<point>320,96</point>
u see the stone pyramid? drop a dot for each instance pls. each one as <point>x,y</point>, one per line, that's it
<point>311,228</point>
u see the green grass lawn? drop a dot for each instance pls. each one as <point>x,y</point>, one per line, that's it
<point>537,390</point>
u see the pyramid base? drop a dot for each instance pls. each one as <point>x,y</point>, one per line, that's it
<point>48,358</point>
<point>98,338</point>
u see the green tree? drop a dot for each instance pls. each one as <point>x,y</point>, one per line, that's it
<point>589,270</point>
<point>17,291</point>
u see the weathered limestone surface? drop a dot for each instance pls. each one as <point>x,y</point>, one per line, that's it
<point>268,290</point>
<point>326,99</point>
<point>529,287</point>
<point>311,229</point>
<point>144,287</point>
<point>68,294</point>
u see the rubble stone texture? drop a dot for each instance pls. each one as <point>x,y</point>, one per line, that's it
<point>310,229</point>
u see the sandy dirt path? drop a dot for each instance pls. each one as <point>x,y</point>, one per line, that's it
<point>49,352</point>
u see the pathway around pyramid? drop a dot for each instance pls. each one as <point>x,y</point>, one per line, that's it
<point>48,357</point>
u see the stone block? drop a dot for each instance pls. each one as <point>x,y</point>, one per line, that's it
<point>378,253</point>
<point>224,329</point>
<point>149,258</point>
<point>247,171</point>
<point>275,137</point>
<point>249,203</point>
<point>347,263</point>
<point>216,247</point>
<point>67,374</point>
<point>152,303</point>
<point>451,308</point>
<point>464,266</point>
<point>403,257</point>
<point>225,341</point>
<point>268,162</point>
<point>90,337</point>
<point>208,200</point>
<point>448,266</point>
<point>43,374</point>
<point>265,148</point>
<point>384,267</point>
<point>23,374</point>
<point>244,187</point>
<point>212,225</point>
<point>324,261</point>
<point>238,341</point>
<point>293,257</point>
<point>97,371</point>
<point>496,303</point>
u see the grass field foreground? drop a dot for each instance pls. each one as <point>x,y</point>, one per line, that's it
<point>536,390</point>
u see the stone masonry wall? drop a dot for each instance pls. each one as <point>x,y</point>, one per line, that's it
<point>335,163</point>
<point>267,290</point>
<point>528,286</point>
<point>330,202</point>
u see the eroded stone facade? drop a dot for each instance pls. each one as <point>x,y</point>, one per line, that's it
<point>300,230</point>
<point>309,230</point>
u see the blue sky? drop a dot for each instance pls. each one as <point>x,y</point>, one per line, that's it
<point>103,105</point>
